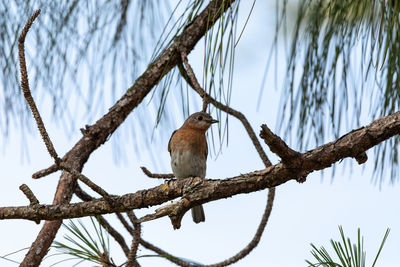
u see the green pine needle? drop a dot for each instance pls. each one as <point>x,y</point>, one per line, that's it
<point>348,254</point>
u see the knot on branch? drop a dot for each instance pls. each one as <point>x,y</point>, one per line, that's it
<point>85,131</point>
<point>279,147</point>
<point>361,158</point>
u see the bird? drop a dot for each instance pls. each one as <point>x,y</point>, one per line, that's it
<point>188,150</point>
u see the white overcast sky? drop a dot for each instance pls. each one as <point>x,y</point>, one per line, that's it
<point>302,213</point>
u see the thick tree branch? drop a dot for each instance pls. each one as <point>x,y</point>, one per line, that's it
<point>98,133</point>
<point>349,145</point>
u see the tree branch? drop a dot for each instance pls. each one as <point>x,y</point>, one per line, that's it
<point>349,145</point>
<point>135,242</point>
<point>98,133</point>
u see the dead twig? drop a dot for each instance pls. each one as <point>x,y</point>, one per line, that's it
<point>29,194</point>
<point>157,175</point>
<point>42,173</point>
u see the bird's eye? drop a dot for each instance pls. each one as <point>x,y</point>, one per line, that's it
<point>200,118</point>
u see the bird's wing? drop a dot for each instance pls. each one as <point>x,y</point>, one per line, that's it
<point>206,154</point>
<point>169,142</point>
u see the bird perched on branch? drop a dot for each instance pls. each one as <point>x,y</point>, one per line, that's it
<point>188,149</point>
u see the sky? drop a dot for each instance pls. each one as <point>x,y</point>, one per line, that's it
<point>302,214</point>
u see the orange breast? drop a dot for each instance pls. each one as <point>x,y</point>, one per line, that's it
<point>189,140</point>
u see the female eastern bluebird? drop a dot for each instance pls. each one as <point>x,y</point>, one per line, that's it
<point>188,149</point>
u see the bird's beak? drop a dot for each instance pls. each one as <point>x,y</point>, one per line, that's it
<point>213,121</point>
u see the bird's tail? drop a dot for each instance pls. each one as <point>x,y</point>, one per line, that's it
<point>198,214</point>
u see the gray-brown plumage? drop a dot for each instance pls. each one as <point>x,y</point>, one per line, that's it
<point>188,149</point>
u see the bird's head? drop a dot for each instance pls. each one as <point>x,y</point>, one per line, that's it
<point>199,121</point>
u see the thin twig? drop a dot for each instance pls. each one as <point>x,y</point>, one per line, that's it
<point>172,258</point>
<point>174,211</point>
<point>31,197</point>
<point>135,232</point>
<point>167,255</point>
<point>29,194</point>
<point>42,173</point>
<point>191,79</point>
<point>125,223</point>
<point>157,175</point>
<point>27,90</point>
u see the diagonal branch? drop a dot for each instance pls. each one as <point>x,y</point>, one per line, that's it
<point>98,134</point>
<point>349,145</point>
